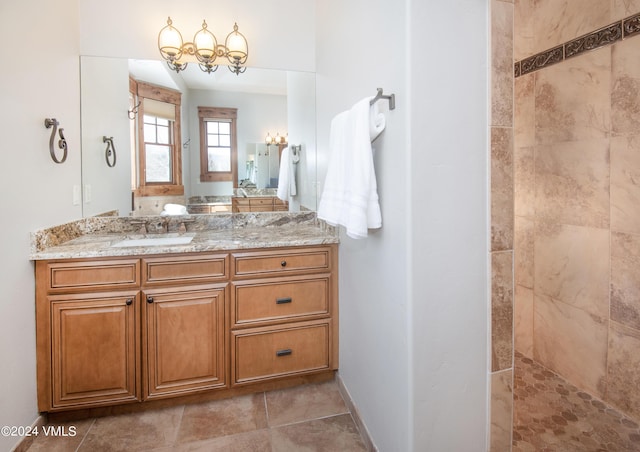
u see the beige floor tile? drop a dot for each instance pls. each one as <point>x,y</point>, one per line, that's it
<point>303,403</point>
<point>337,433</point>
<point>256,441</point>
<point>223,417</point>
<point>134,432</point>
<point>55,441</point>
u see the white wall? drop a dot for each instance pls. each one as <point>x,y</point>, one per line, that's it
<point>36,191</point>
<point>105,103</point>
<point>360,46</point>
<point>301,107</point>
<point>280,32</point>
<point>449,270</point>
<point>413,295</point>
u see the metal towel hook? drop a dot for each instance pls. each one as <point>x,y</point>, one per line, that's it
<point>109,151</point>
<point>62,142</point>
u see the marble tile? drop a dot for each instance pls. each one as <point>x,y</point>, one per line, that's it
<point>524,111</point>
<point>571,342</point>
<point>304,403</point>
<point>623,389</point>
<point>573,99</point>
<point>501,310</point>
<point>625,91</point>
<point>625,279</point>
<point>501,63</point>
<point>572,265</point>
<point>223,417</point>
<point>546,23</point>
<point>501,410</point>
<point>551,414</point>
<point>572,183</point>
<point>132,432</point>
<point>624,8</point>
<point>524,181</point>
<point>337,433</point>
<point>501,188</point>
<point>625,183</point>
<point>523,321</point>
<point>523,251</point>
<point>76,431</point>
<point>254,441</point>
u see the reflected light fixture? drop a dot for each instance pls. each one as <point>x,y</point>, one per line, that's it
<point>277,139</point>
<point>204,49</point>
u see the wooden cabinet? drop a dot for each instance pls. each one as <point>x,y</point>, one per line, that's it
<point>94,345</point>
<point>122,330</point>
<point>184,340</point>
<point>258,204</point>
<point>283,313</point>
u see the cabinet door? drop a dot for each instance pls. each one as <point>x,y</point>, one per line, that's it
<point>95,343</point>
<point>185,342</point>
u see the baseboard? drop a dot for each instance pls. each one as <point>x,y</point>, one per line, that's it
<point>25,443</point>
<point>355,414</point>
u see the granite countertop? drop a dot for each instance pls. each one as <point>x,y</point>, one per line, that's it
<point>96,237</point>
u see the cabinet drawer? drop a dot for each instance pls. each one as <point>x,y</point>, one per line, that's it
<point>242,201</point>
<point>261,202</point>
<point>263,301</point>
<point>111,274</point>
<point>186,269</point>
<point>275,352</point>
<point>281,262</point>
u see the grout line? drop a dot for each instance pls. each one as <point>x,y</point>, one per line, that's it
<point>328,416</point>
<point>93,422</point>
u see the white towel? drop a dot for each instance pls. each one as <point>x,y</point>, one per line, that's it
<point>350,196</point>
<point>287,175</point>
<point>174,209</point>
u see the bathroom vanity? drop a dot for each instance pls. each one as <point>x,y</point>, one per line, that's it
<point>236,309</point>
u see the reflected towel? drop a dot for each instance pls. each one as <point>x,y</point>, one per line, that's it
<point>174,209</point>
<point>350,196</point>
<point>287,175</point>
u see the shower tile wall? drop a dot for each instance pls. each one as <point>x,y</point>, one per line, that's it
<point>577,188</point>
<point>502,229</point>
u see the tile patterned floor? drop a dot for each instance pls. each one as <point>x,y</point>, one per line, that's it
<point>305,418</point>
<point>551,415</point>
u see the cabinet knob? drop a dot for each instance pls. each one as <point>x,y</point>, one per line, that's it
<point>285,352</point>
<point>129,302</point>
<point>149,299</point>
<point>283,300</point>
<point>283,263</point>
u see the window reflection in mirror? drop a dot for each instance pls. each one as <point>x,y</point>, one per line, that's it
<point>158,164</point>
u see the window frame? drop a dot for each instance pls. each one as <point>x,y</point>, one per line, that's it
<point>222,114</point>
<point>148,91</point>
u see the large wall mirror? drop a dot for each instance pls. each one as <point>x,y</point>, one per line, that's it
<point>264,101</point>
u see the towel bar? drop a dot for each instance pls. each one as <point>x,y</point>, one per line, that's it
<point>390,97</point>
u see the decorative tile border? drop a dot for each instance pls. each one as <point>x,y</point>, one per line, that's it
<point>605,36</point>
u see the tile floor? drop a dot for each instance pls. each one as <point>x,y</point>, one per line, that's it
<point>312,417</point>
<point>552,415</point>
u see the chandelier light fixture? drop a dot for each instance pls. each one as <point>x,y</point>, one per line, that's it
<point>204,49</point>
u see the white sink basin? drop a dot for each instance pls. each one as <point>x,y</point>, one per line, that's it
<point>155,241</point>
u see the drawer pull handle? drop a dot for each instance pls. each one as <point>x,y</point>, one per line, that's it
<point>283,300</point>
<point>283,263</point>
<point>129,302</point>
<point>285,352</point>
<point>149,299</point>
